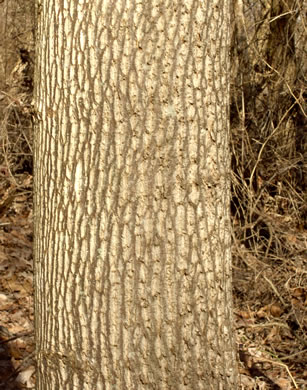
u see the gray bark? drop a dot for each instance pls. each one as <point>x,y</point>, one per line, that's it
<point>132,226</point>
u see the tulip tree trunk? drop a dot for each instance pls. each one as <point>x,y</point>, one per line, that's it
<point>132,225</point>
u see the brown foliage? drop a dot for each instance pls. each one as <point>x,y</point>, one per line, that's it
<point>16,303</point>
<point>269,138</point>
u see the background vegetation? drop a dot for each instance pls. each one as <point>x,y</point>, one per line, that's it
<point>269,205</point>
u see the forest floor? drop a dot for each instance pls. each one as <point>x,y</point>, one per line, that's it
<point>16,283</point>
<point>270,303</point>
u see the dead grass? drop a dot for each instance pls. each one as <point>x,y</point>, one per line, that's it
<point>268,115</point>
<point>16,137</point>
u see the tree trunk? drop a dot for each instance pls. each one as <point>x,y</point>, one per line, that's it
<point>132,225</point>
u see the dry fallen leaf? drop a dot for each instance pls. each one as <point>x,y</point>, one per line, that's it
<point>298,292</point>
<point>276,310</point>
<point>274,334</point>
<point>284,384</point>
<point>24,377</point>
